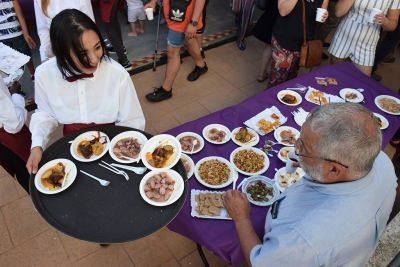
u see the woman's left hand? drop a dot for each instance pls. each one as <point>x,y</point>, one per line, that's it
<point>380,19</point>
<point>324,16</point>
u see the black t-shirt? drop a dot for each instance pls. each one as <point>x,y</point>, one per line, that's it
<point>288,30</point>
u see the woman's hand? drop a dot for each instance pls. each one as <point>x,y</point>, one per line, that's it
<point>30,42</point>
<point>324,16</point>
<point>380,19</point>
<point>34,159</point>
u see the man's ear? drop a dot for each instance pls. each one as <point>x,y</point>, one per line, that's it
<point>335,173</point>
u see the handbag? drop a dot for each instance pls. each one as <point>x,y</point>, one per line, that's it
<point>261,4</point>
<point>177,9</point>
<point>311,51</point>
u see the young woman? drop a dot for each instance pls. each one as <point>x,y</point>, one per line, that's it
<point>81,86</point>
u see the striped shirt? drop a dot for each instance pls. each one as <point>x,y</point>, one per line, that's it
<point>361,9</point>
<point>9,24</point>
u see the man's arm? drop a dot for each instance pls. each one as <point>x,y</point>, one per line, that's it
<point>190,31</point>
<point>22,22</point>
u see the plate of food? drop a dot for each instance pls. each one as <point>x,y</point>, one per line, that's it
<point>161,188</point>
<point>320,98</point>
<point>216,134</point>
<point>382,121</point>
<point>289,97</point>
<point>189,165</point>
<point>284,151</point>
<point>187,139</point>
<point>208,204</point>
<point>214,172</point>
<point>351,95</point>
<point>388,104</point>
<point>286,135</point>
<point>249,160</point>
<point>50,177</point>
<point>243,136</point>
<point>285,179</point>
<point>260,190</point>
<point>90,146</point>
<point>125,147</point>
<point>265,121</point>
<point>161,152</point>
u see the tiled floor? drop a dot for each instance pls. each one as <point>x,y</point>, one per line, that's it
<point>27,240</point>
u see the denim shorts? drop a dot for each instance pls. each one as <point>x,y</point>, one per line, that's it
<point>175,39</point>
<point>18,43</point>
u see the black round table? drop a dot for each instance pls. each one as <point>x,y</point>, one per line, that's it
<point>102,214</point>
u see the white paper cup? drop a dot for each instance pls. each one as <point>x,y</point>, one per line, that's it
<point>374,11</point>
<point>149,13</point>
<point>292,157</point>
<point>320,13</point>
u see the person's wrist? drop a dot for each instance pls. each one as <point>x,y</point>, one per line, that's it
<point>243,220</point>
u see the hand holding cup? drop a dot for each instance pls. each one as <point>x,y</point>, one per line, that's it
<point>293,161</point>
<point>376,16</point>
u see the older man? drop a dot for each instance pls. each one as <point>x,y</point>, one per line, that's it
<point>336,213</point>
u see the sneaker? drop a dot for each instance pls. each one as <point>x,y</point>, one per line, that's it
<point>326,45</point>
<point>202,54</point>
<point>324,56</point>
<point>390,60</point>
<point>197,72</point>
<point>111,50</point>
<point>32,78</point>
<point>127,65</point>
<point>376,77</point>
<point>159,95</point>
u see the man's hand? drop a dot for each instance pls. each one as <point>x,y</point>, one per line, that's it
<point>34,159</point>
<point>15,88</point>
<point>237,205</point>
<point>190,31</point>
<point>30,42</point>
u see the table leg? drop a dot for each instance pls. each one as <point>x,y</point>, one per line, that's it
<point>202,256</point>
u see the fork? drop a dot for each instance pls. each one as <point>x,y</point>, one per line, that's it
<point>137,170</point>
<point>115,170</point>
<point>102,182</point>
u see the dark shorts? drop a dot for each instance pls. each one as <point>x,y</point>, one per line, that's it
<point>201,30</point>
<point>18,43</point>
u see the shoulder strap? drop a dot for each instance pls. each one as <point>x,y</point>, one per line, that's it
<point>304,24</point>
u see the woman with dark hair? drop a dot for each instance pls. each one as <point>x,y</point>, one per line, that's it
<point>81,86</point>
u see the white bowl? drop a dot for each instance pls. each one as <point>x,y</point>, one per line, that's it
<point>154,142</point>
<point>254,142</point>
<point>278,131</point>
<point>383,119</point>
<point>89,136</point>
<point>190,163</point>
<point>256,150</point>
<point>231,176</point>
<point>70,177</point>
<point>282,171</point>
<point>219,127</point>
<point>269,182</point>
<point>386,96</point>
<point>178,187</point>
<point>290,92</point>
<point>289,148</point>
<point>133,134</point>
<point>199,138</point>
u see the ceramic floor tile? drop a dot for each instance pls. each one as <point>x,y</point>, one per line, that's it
<point>20,190</point>
<point>179,245</point>
<point>149,129</point>
<point>217,101</point>
<point>189,112</point>
<point>77,249</point>
<point>153,110</point>
<point>163,123</point>
<point>171,263</point>
<point>3,172</point>
<point>112,256</point>
<point>148,251</point>
<point>44,250</point>
<point>5,243</point>
<point>23,221</point>
<point>8,191</point>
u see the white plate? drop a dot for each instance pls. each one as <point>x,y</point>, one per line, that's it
<point>256,150</point>
<point>383,119</point>
<point>290,92</point>
<point>282,170</point>
<point>133,134</point>
<point>269,182</point>
<point>233,173</point>
<point>191,164</point>
<point>289,148</point>
<point>70,177</point>
<point>176,194</point>
<point>255,139</point>
<point>89,136</point>
<point>266,115</point>
<point>199,139</point>
<point>280,129</point>
<point>162,139</point>
<point>345,91</point>
<point>219,127</point>
<point>386,96</point>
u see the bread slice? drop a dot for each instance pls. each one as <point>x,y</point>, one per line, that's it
<point>214,210</point>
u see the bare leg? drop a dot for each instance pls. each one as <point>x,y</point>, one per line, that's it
<point>265,61</point>
<point>199,40</point>
<point>173,65</point>
<point>31,67</point>
<point>364,69</point>
<point>133,27</point>
<point>141,25</point>
<point>194,51</point>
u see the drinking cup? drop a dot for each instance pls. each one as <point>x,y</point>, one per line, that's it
<point>291,158</point>
<point>320,13</point>
<point>374,11</point>
<point>149,13</point>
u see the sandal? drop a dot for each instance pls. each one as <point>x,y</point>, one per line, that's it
<point>134,34</point>
<point>263,78</point>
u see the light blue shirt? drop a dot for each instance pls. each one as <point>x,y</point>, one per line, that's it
<point>329,224</point>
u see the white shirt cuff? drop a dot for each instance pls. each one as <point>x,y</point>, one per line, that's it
<point>38,141</point>
<point>18,99</point>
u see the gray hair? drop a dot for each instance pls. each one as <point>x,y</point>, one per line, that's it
<point>349,134</point>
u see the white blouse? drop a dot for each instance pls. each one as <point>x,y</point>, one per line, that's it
<point>109,96</point>
<point>12,113</point>
<point>43,22</point>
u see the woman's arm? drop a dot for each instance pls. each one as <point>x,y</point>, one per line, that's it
<point>388,22</point>
<point>43,30</point>
<point>325,4</point>
<point>343,6</point>
<point>286,6</point>
<point>86,7</point>
<point>22,22</point>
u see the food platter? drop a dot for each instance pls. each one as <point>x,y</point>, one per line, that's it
<point>279,130</point>
<point>88,136</point>
<point>265,121</point>
<point>246,161</point>
<point>380,97</point>
<point>232,172</point>
<point>176,194</point>
<point>282,171</point>
<point>289,93</point>
<point>269,182</point>
<point>71,175</point>
<point>190,163</point>
<point>385,122</point>
<point>253,141</point>
<point>283,150</point>
<point>194,205</point>
<point>142,139</point>
<point>218,127</point>
<point>346,92</point>
<point>200,141</point>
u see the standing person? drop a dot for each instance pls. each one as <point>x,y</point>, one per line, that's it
<point>356,38</point>
<point>108,13</point>
<point>91,88</point>
<point>15,138</point>
<point>181,32</point>
<point>243,10</point>
<point>200,32</point>
<point>14,33</point>
<point>135,12</point>
<point>336,213</point>
<point>45,11</point>
<point>287,37</point>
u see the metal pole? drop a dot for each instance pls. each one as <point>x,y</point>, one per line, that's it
<point>158,31</point>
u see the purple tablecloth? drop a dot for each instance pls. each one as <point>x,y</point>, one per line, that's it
<point>219,236</point>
